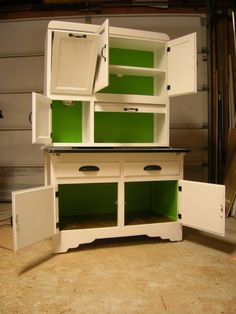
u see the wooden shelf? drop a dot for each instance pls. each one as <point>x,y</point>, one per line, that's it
<point>138,71</point>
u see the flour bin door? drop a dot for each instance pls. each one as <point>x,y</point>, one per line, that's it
<point>202,206</point>
<point>34,215</point>
<point>41,119</point>
<point>182,65</point>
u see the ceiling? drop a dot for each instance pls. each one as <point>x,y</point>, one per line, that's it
<point>37,8</point>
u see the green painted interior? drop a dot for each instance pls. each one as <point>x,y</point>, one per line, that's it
<point>87,198</point>
<point>152,196</point>
<point>139,58</point>
<point>123,127</point>
<point>66,122</point>
<point>129,84</point>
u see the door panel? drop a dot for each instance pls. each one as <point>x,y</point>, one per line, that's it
<point>203,206</point>
<point>74,58</point>
<point>33,213</point>
<point>41,119</point>
<point>182,65</point>
<point>102,71</point>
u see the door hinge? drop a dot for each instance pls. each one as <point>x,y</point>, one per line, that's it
<point>52,36</point>
<point>57,194</point>
<point>179,216</point>
<point>58,225</point>
<point>168,87</point>
<point>180,188</point>
<point>168,49</point>
<point>50,134</point>
<point>51,105</point>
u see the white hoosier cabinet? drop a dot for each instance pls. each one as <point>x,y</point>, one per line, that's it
<point>104,121</point>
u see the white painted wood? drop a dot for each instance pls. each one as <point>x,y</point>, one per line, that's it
<point>182,65</point>
<point>72,170</point>
<point>136,108</point>
<point>74,57</point>
<point>126,98</point>
<point>33,213</point>
<point>102,71</point>
<point>203,206</point>
<point>67,239</point>
<point>41,119</point>
<point>132,169</point>
<point>142,71</point>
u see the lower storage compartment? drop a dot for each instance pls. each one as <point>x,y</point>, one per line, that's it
<point>87,205</point>
<point>150,202</point>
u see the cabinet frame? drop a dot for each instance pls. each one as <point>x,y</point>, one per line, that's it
<point>65,239</point>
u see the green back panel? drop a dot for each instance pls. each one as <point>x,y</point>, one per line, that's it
<point>128,84</point>
<point>123,127</point>
<point>160,197</point>
<point>91,198</point>
<point>66,122</point>
<point>139,58</point>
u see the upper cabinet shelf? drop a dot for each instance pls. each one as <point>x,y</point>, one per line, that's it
<point>136,71</point>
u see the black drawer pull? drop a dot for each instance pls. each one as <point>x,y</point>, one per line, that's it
<point>89,168</point>
<point>152,167</point>
<point>130,109</point>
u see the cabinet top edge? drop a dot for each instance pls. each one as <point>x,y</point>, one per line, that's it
<point>51,149</point>
<point>113,31</point>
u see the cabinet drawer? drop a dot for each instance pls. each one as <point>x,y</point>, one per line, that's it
<point>150,168</point>
<point>83,170</point>
<point>135,108</point>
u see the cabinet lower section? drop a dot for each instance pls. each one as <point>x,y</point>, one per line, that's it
<point>114,194</point>
<point>67,239</point>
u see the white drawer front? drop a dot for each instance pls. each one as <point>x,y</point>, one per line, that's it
<point>150,168</point>
<point>118,107</point>
<point>85,170</point>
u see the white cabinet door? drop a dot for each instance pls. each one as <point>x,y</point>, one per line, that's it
<point>182,65</point>
<point>202,206</point>
<point>41,119</point>
<point>102,69</point>
<point>34,215</point>
<point>77,57</point>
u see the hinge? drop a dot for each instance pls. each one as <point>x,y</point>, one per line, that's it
<point>168,49</point>
<point>52,36</point>
<point>180,188</point>
<point>58,225</point>
<point>57,194</point>
<point>51,105</point>
<point>203,88</point>
<point>203,21</point>
<point>50,134</point>
<point>168,87</point>
<point>180,216</point>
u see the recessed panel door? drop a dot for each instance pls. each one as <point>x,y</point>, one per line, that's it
<point>202,206</point>
<point>182,65</point>
<point>34,215</point>
<point>41,119</point>
<point>102,69</point>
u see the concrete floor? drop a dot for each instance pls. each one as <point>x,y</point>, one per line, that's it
<point>129,275</point>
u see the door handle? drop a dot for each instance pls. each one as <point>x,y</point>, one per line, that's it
<point>89,168</point>
<point>152,167</point>
<point>130,109</point>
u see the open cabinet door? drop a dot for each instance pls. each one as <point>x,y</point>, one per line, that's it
<point>41,119</point>
<point>202,206</point>
<point>182,65</point>
<point>102,69</point>
<point>34,215</point>
<point>73,62</point>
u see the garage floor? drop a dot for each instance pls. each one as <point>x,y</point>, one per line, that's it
<point>129,275</point>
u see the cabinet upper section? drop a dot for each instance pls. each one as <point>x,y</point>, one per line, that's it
<point>84,59</point>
